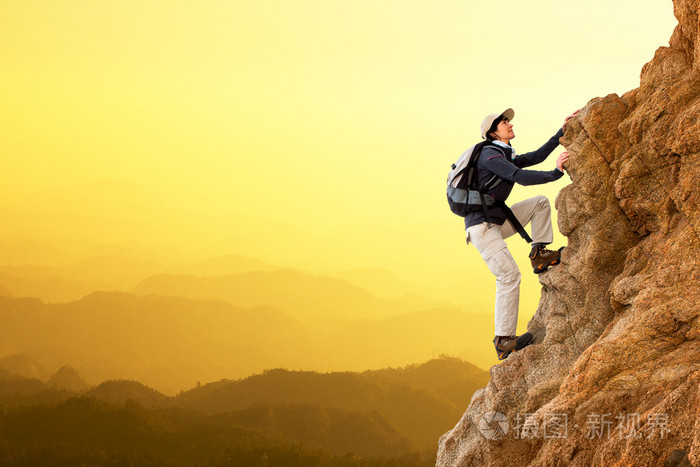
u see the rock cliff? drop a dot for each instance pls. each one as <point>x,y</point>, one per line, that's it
<point>614,375</point>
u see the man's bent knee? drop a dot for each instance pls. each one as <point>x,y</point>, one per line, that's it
<point>509,277</point>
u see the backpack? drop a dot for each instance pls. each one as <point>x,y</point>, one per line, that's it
<point>466,194</point>
<point>463,194</point>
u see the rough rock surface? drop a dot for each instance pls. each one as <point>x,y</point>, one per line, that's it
<point>614,376</point>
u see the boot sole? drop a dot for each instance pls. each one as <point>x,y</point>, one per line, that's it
<point>543,267</point>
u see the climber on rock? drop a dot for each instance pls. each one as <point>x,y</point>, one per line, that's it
<point>499,169</point>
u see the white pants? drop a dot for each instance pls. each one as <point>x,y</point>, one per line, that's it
<point>488,239</point>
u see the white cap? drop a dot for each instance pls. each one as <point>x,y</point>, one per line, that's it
<point>488,121</point>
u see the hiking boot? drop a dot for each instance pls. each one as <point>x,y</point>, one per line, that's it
<point>507,344</point>
<point>541,258</point>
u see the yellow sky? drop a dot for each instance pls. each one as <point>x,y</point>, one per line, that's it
<point>309,133</point>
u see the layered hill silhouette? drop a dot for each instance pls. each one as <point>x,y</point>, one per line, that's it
<point>389,413</point>
<point>172,342</point>
<point>121,391</point>
<point>68,379</point>
<point>302,295</point>
<point>109,272</point>
<point>99,218</point>
<point>120,272</point>
<point>417,399</point>
<point>87,431</point>
<point>169,342</point>
<point>21,365</point>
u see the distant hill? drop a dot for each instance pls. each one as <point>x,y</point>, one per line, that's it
<point>108,273</point>
<point>302,295</point>
<point>11,384</point>
<point>387,412</point>
<point>335,430</point>
<point>441,375</point>
<point>120,391</point>
<point>49,289</point>
<point>419,400</point>
<point>227,264</point>
<point>111,269</point>
<point>18,391</point>
<point>87,431</point>
<point>121,271</point>
<point>170,343</point>
<point>115,267</point>
<point>23,366</point>
<point>67,379</point>
<point>166,342</point>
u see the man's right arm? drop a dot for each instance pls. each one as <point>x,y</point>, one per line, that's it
<point>494,161</point>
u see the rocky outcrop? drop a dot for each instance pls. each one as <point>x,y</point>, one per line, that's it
<point>614,376</point>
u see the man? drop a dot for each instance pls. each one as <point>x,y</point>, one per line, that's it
<point>498,171</point>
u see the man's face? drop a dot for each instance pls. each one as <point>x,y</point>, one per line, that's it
<point>504,131</point>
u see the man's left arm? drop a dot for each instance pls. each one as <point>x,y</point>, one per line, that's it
<point>535,157</point>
